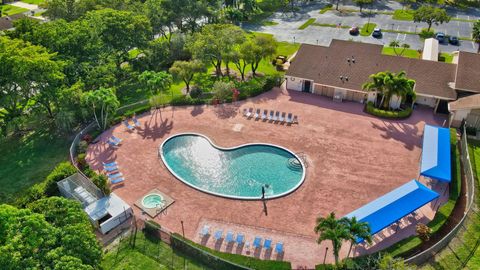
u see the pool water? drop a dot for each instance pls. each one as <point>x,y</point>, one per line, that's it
<point>235,172</point>
<point>152,201</point>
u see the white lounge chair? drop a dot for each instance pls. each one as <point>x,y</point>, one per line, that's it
<point>277,116</point>
<point>270,116</point>
<point>249,113</point>
<point>289,118</point>
<point>264,115</point>
<point>257,114</point>
<point>282,117</point>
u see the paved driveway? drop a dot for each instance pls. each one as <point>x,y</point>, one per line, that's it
<point>288,24</point>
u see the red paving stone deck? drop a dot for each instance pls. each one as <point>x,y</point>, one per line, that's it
<point>352,158</point>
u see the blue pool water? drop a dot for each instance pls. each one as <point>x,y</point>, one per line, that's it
<point>236,172</point>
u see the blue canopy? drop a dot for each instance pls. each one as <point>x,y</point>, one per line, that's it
<point>436,162</point>
<point>393,206</point>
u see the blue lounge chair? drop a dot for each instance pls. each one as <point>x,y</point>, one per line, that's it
<point>136,122</point>
<point>257,243</point>
<point>267,244</point>
<point>114,141</point>
<point>205,230</point>
<point>130,127</point>
<point>110,169</point>
<point>116,181</point>
<point>240,238</point>
<point>218,235</point>
<point>229,237</point>
<point>257,114</point>
<point>115,175</point>
<point>111,164</point>
<point>279,247</point>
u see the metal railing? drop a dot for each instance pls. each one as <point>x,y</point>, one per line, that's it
<point>470,187</point>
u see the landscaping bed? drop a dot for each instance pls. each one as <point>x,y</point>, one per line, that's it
<point>370,109</point>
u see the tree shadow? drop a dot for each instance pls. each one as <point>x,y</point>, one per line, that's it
<point>156,130</point>
<point>402,132</point>
<point>239,249</point>
<point>218,244</point>
<point>197,110</point>
<point>226,111</point>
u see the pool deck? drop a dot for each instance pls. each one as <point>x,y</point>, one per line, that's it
<point>352,158</point>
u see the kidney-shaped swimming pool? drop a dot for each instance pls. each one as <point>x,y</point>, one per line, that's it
<point>238,172</point>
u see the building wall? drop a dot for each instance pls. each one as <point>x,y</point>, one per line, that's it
<point>323,90</point>
<point>395,102</point>
<point>294,83</point>
<point>371,96</point>
<point>429,101</point>
<point>456,117</point>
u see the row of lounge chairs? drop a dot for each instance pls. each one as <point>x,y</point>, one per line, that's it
<point>272,116</point>
<point>135,122</point>
<point>113,173</point>
<point>240,239</point>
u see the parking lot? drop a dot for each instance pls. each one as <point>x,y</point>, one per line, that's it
<point>288,24</point>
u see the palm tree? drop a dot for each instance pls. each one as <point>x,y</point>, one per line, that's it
<point>358,230</point>
<point>395,44</point>
<point>390,84</point>
<point>476,34</point>
<point>334,230</point>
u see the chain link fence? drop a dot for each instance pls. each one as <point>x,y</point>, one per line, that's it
<point>458,246</point>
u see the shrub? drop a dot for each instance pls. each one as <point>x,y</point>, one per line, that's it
<point>186,100</point>
<point>151,228</point>
<point>62,171</point>
<point>388,114</point>
<point>101,181</point>
<point>196,92</point>
<point>82,147</point>
<point>471,131</point>
<point>81,160</point>
<point>426,34</point>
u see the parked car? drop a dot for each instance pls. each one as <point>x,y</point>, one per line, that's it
<point>440,37</point>
<point>377,33</point>
<point>354,31</point>
<point>453,40</point>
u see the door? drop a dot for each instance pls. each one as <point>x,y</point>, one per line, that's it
<point>307,85</point>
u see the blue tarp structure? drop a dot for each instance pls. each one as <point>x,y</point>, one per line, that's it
<point>436,162</point>
<point>393,206</point>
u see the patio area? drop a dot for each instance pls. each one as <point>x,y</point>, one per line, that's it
<point>352,159</point>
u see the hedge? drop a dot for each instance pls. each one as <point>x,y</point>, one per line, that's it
<point>388,114</point>
<point>47,187</point>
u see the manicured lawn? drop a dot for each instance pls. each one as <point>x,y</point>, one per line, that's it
<point>34,2</point>
<point>403,15</point>
<point>28,160</point>
<point>411,53</point>
<point>149,254</point>
<point>367,29</point>
<point>306,24</point>
<point>11,10</point>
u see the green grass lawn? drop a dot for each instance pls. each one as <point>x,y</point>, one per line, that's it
<point>410,53</point>
<point>148,254</point>
<point>11,10</point>
<point>28,160</point>
<point>34,2</point>
<point>367,29</point>
<point>403,15</point>
<point>307,23</point>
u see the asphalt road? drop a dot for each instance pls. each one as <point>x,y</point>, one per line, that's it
<point>288,24</point>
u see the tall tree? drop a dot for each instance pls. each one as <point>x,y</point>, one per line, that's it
<point>357,230</point>
<point>186,70</point>
<point>213,42</point>
<point>431,15</point>
<point>476,34</point>
<point>362,3</point>
<point>103,103</point>
<point>162,17</point>
<point>334,230</point>
<point>156,81</point>
<point>25,72</point>
<point>262,47</point>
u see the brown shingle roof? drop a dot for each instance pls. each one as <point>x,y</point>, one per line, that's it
<point>470,102</point>
<point>468,72</point>
<point>325,65</point>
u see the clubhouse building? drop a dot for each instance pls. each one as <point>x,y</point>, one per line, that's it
<point>340,70</point>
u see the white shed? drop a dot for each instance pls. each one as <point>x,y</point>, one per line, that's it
<point>108,212</point>
<point>430,49</point>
